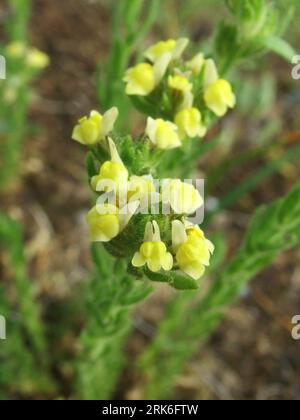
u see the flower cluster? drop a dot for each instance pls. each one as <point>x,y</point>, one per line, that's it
<point>190,250</point>
<point>135,216</point>
<point>188,93</point>
<point>23,64</point>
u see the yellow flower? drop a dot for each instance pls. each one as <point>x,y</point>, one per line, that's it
<point>163,134</point>
<point>113,175</point>
<point>37,59</point>
<point>93,129</point>
<point>33,57</point>
<point>171,47</point>
<point>142,188</point>
<point>218,97</point>
<point>193,250</point>
<point>196,63</point>
<point>193,230</point>
<point>142,79</point>
<point>104,223</point>
<point>183,198</point>
<point>180,83</point>
<point>141,185</point>
<point>189,123</point>
<point>153,251</point>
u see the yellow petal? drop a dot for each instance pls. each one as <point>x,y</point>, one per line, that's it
<point>160,67</point>
<point>108,120</point>
<point>189,122</point>
<point>179,235</point>
<point>196,63</point>
<point>37,59</point>
<point>162,133</point>
<point>138,260</point>
<point>167,262</point>
<point>211,72</point>
<point>154,265</point>
<point>219,96</point>
<point>102,227</point>
<point>179,48</point>
<point>194,270</point>
<point>157,50</point>
<point>210,246</point>
<point>140,80</point>
<point>166,135</point>
<point>183,197</point>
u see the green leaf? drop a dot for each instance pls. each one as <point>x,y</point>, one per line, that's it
<point>102,259</point>
<point>181,282</point>
<point>290,208</point>
<point>278,46</point>
<point>142,105</point>
<point>138,294</point>
<point>158,277</point>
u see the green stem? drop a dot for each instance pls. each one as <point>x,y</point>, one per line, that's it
<point>185,323</point>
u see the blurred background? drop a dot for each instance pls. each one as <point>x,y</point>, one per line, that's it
<point>252,354</point>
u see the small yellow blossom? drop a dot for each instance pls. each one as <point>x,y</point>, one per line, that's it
<point>142,188</point>
<point>142,79</point>
<point>93,129</point>
<point>196,63</point>
<point>141,185</point>
<point>163,134</point>
<point>113,175</point>
<point>179,83</point>
<point>33,57</point>
<point>106,221</point>
<point>37,59</point>
<point>171,47</point>
<point>193,250</point>
<point>219,96</point>
<point>189,123</point>
<point>153,251</point>
<point>183,198</point>
<point>104,224</point>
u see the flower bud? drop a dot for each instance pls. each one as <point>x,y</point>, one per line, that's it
<point>37,59</point>
<point>196,63</point>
